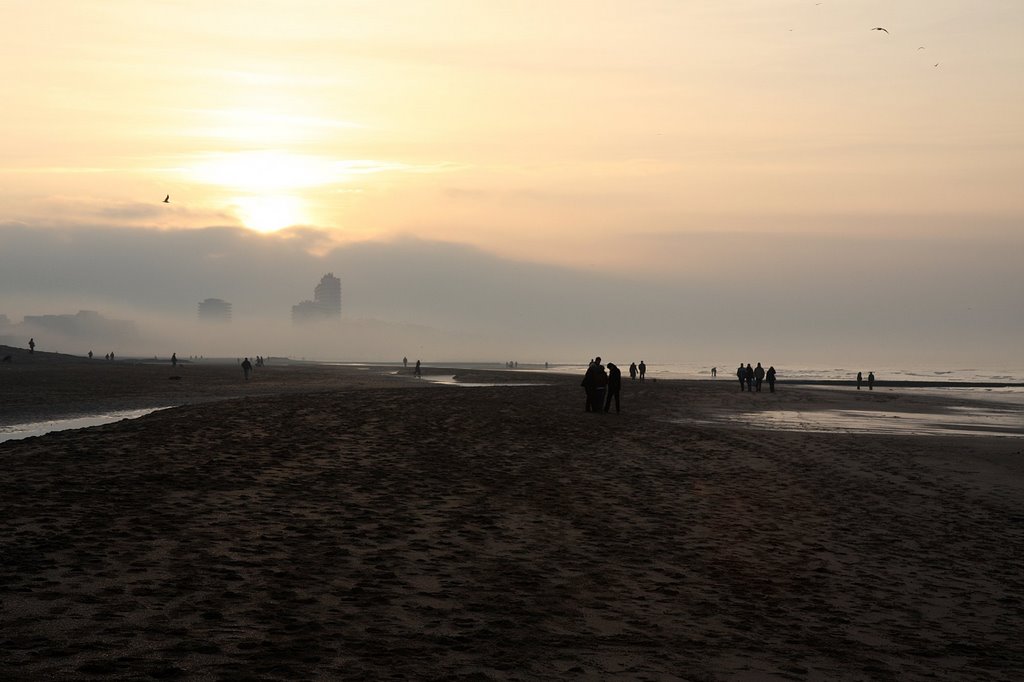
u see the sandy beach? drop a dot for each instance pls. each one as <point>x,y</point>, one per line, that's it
<point>342,523</point>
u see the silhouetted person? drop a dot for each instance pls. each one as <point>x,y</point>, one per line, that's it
<point>614,387</point>
<point>741,374</point>
<point>758,376</point>
<point>590,384</point>
<point>90,355</point>
<point>246,368</point>
<point>416,371</point>
<point>602,388</point>
<point>32,345</point>
<point>860,378</point>
<point>714,372</point>
<point>632,371</point>
<point>174,359</point>
<point>643,370</point>
<point>405,363</point>
<point>871,381</point>
<point>748,374</point>
<point>770,376</point>
<point>111,355</point>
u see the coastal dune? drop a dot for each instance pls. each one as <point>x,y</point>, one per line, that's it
<point>344,523</point>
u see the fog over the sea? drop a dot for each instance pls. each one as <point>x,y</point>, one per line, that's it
<point>780,298</point>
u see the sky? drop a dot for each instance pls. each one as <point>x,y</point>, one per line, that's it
<point>678,181</point>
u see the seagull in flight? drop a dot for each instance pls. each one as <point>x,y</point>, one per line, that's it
<point>167,199</point>
<point>879,28</point>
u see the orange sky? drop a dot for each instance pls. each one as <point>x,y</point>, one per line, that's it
<point>668,175</point>
<point>560,131</point>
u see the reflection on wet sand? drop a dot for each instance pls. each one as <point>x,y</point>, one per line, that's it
<point>30,429</point>
<point>972,421</point>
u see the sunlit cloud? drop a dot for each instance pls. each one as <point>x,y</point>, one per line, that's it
<point>261,126</point>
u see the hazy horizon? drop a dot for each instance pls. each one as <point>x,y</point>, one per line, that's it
<point>675,182</point>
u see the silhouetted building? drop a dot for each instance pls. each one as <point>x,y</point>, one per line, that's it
<point>215,310</point>
<point>326,303</point>
<point>86,324</point>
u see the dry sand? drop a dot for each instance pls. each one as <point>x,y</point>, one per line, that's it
<point>333,523</point>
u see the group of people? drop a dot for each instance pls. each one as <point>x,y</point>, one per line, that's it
<point>751,378</point>
<point>871,380</point>
<point>637,370</point>
<point>601,386</point>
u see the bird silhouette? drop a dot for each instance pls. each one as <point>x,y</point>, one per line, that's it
<point>879,28</point>
<point>167,199</point>
<point>921,48</point>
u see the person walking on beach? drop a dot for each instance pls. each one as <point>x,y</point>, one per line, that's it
<point>32,345</point>
<point>871,381</point>
<point>614,387</point>
<point>748,374</point>
<point>758,376</point>
<point>174,359</point>
<point>246,368</point>
<point>405,363</point>
<point>416,372</point>
<point>860,378</point>
<point>589,385</point>
<point>632,371</point>
<point>770,376</point>
<point>741,374</point>
<point>643,370</point>
<point>714,372</point>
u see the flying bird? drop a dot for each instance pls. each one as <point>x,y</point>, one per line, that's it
<point>167,199</point>
<point>879,28</point>
<point>921,48</point>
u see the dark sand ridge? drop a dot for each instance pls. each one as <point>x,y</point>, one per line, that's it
<point>384,527</point>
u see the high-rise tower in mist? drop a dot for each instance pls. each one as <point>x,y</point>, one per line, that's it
<point>326,303</point>
<point>215,310</point>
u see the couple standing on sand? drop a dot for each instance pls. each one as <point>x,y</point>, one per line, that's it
<point>871,380</point>
<point>601,387</point>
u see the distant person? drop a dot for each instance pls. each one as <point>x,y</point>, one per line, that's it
<point>405,363</point>
<point>741,374</point>
<point>748,374</point>
<point>174,359</point>
<point>90,355</point>
<point>770,376</point>
<point>714,372</point>
<point>32,345</point>
<point>246,368</point>
<point>632,371</point>
<point>614,387</point>
<point>590,384</point>
<point>545,365</point>
<point>758,376</point>
<point>111,355</point>
<point>416,372</point>
<point>860,378</point>
<point>871,381</point>
<point>643,370</point>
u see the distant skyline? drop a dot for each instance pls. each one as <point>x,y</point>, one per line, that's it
<point>668,175</point>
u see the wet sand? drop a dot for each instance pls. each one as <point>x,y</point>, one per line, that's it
<point>338,523</point>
